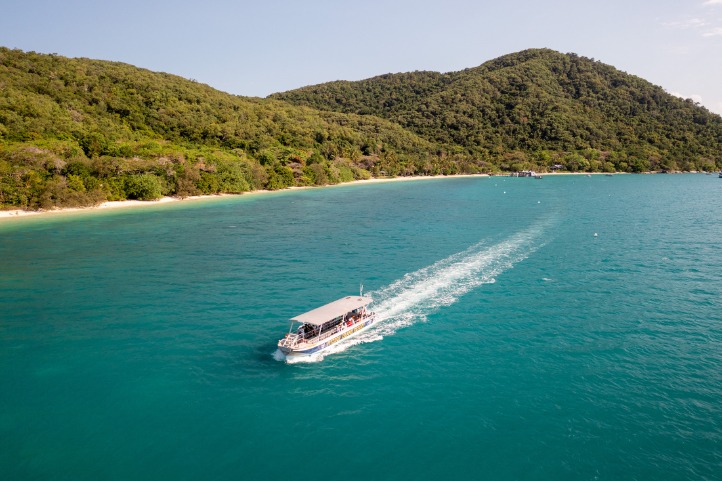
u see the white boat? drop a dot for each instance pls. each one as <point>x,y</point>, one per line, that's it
<point>317,330</point>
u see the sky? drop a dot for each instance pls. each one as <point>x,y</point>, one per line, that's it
<point>255,48</point>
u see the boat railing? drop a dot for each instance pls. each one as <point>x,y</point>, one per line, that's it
<point>313,339</point>
<point>326,335</point>
<point>292,340</point>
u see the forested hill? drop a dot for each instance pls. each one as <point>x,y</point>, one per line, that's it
<point>80,131</point>
<point>77,132</point>
<point>538,107</point>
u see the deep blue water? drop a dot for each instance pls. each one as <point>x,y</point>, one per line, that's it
<point>139,344</point>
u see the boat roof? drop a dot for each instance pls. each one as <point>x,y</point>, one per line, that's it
<point>332,310</point>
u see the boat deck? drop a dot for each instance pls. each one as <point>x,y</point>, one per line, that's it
<point>296,341</point>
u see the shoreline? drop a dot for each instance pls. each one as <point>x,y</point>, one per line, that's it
<point>131,204</point>
<point>128,204</point>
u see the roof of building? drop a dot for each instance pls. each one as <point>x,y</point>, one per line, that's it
<point>332,310</point>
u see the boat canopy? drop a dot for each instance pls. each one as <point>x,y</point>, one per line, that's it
<point>332,310</point>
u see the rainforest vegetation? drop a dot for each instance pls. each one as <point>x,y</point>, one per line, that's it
<point>537,108</point>
<point>76,132</point>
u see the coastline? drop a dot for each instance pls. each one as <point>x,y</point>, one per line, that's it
<point>128,204</point>
<point>131,204</point>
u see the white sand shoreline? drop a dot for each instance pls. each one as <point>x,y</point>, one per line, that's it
<point>125,204</point>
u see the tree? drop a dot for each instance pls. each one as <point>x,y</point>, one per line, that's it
<point>280,177</point>
<point>143,187</point>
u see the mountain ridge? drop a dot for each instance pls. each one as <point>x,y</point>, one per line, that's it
<point>531,101</point>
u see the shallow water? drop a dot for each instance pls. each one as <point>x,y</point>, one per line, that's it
<point>515,344</point>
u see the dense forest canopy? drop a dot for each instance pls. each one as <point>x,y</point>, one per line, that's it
<point>79,131</point>
<point>535,107</point>
<point>76,132</point>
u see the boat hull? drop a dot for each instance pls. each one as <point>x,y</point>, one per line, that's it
<point>306,351</point>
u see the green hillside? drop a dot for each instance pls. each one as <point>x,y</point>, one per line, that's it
<point>76,132</point>
<point>79,131</point>
<point>537,108</point>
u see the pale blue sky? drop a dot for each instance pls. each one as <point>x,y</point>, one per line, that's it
<point>257,48</point>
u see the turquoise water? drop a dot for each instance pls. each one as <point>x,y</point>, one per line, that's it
<point>516,344</point>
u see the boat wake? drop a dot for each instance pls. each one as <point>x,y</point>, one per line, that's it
<point>416,295</point>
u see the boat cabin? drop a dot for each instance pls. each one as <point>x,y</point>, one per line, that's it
<point>334,317</point>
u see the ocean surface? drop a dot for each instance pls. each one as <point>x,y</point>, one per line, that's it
<point>568,328</point>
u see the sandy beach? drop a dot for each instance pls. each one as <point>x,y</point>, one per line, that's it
<point>14,213</point>
<point>125,204</point>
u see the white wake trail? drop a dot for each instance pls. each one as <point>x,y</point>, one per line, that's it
<point>417,294</point>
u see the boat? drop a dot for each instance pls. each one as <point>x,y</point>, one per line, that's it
<point>315,331</point>
<point>720,174</point>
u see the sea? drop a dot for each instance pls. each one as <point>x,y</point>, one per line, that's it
<point>568,328</point>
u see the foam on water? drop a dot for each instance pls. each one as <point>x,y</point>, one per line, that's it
<point>417,294</point>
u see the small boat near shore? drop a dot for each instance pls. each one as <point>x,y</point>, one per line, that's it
<point>315,331</point>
